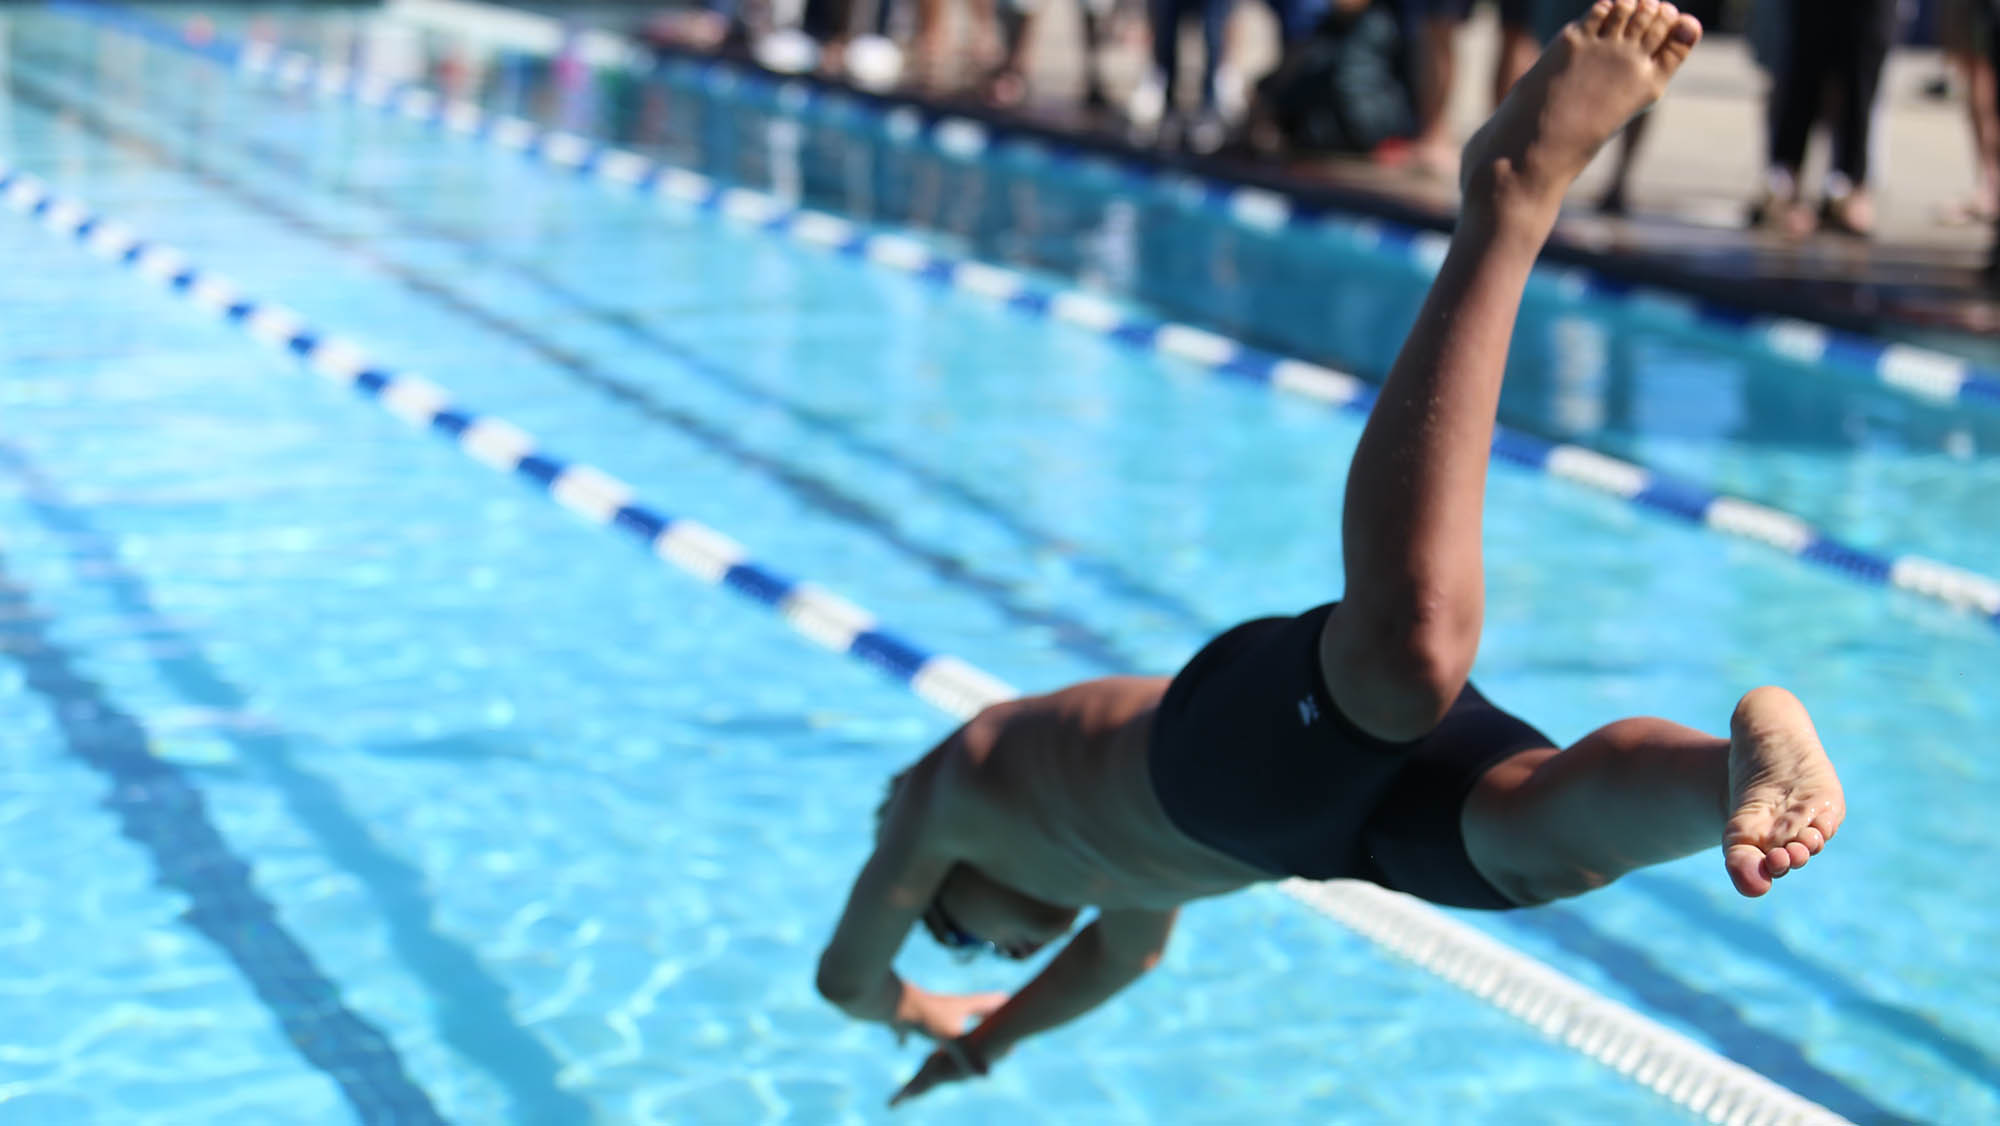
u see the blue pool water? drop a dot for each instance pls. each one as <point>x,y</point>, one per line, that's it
<point>348,780</point>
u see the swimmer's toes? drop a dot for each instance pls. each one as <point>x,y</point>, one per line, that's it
<point>1681,38</point>
<point>1618,18</point>
<point>1746,869</point>
<point>1642,19</point>
<point>1655,32</point>
<point>1592,21</point>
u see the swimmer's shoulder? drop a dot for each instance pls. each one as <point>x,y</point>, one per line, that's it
<point>1075,718</point>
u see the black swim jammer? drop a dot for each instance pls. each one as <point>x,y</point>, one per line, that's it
<point>1251,757</point>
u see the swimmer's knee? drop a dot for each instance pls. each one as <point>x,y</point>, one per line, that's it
<point>1506,826</point>
<point>1524,870</point>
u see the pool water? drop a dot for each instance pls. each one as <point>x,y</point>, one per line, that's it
<point>351,781</point>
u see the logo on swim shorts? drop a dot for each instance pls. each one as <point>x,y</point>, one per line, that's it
<point>1308,710</point>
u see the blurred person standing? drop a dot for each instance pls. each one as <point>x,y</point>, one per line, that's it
<point>1833,55</point>
<point>1221,101</point>
<point>1155,107</point>
<point>1964,27</point>
<point>1433,28</point>
<point>1993,59</point>
<point>1006,85</point>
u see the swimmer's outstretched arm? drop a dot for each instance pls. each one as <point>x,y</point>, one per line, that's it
<point>913,853</point>
<point>1115,950</point>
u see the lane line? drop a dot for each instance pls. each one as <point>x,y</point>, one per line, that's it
<point>159,809</point>
<point>472,1009</point>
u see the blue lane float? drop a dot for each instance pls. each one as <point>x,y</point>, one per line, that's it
<point>1658,493</point>
<point>1677,1067</point>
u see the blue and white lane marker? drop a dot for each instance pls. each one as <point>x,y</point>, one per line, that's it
<point>1679,1068</point>
<point>945,681</point>
<point>1660,493</point>
<point>1922,373</point>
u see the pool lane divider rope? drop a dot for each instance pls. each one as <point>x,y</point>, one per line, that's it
<point>703,552</point>
<point>1687,501</point>
<point>1674,1065</point>
<point>1922,373</point>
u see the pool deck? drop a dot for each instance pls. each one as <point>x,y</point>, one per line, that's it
<point>1918,279</point>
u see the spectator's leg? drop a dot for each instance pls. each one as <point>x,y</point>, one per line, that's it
<point>1214,29</point>
<point>983,19</point>
<point>1519,48</point>
<point>1007,84</point>
<point>1993,58</point>
<point>927,43</point>
<point>1982,101</point>
<point>1437,42</point>
<point>1863,48</point>
<point>1799,90</point>
<point>1614,201</point>
<point>1166,19</point>
<point>1095,15</point>
<point>1796,93</point>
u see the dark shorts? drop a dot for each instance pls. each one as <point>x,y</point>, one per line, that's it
<point>1251,757</point>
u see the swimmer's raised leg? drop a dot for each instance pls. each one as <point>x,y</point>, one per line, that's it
<point>1399,648</point>
<point>1546,824</point>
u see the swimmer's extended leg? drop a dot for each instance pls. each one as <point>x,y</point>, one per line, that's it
<point>1400,646</point>
<point>1546,824</point>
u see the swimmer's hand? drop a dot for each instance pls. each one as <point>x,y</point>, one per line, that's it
<point>941,1016</point>
<point>954,1060</point>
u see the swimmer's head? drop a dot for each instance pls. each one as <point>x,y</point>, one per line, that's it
<point>973,915</point>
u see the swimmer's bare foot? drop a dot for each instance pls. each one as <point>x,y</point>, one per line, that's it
<point>1606,66</point>
<point>1785,799</point>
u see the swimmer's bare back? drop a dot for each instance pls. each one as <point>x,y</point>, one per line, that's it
<point>1056,801</point>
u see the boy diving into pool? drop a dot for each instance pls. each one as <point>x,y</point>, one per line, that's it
<point>1344,742</point>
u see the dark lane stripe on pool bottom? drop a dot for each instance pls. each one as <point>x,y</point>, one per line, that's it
<point>472,1012</point>
<point>161,811</point>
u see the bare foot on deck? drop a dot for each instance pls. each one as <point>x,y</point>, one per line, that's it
<point>1785,799</point>
<point>1605,66</point>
